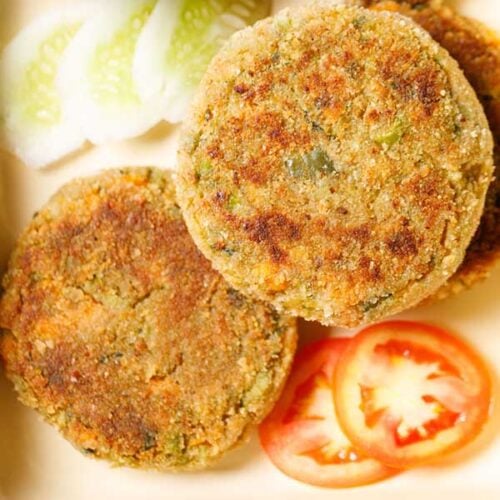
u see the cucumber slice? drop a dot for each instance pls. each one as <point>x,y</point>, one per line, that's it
<point>96,77</point>
<point>179,42</point>
<point>35,124</point>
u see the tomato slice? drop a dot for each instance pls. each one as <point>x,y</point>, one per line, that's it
<point>408,393</point>
<point>302,436</point>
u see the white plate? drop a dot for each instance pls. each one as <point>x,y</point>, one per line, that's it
<point>37,464</point>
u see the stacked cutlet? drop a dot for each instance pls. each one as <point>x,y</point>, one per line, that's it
<point>335,164</point>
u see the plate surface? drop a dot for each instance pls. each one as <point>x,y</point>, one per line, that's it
<point>36,463</point>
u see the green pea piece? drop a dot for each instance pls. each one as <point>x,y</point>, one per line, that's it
<point>393,135</point>
<point>310,164</point>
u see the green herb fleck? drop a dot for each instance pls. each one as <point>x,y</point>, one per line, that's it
<point>203,170</point>
<point>149,440</point>
<point>236,298</point>
<point>232,202</point>
<point>420,6</point>
<point>359,21</point>
<point>279,327</point>
<point>175,445</point>
<point>375,302</point>
<point>113,357</point>
<point>221,247</point>
<point>194,142</point>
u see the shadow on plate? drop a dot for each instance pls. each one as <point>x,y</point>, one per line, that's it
<point>15,442</point>
<point>14,433</point>
<point>241,457</point>
<point>477,302</point>
<point>311,332</point>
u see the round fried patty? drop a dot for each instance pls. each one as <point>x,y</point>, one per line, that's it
<point>122,336</point>
<point>335,163</point>
<point>477,50</point>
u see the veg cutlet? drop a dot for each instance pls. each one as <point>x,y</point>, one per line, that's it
<point>121,335</point>
<point>335,164</point>
<point>477,50</point>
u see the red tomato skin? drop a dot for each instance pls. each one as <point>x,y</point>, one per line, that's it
<point>381,451</point>
<point>311,356</point>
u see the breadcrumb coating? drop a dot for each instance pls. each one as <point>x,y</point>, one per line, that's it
<point>476,48</point>
<point>335,164</point>
<point>121,335</point>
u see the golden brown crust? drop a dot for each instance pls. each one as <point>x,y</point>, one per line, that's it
<point>329,166</point>
<point>119,332</point>
<point>477,50</point>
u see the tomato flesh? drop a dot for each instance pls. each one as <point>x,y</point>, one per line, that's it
<point>302,435</point>
<point>410,396</point>
<point>408,393</point>
<point>325,444</point>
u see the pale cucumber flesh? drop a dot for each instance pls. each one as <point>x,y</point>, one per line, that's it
<point>110,69</point>
<point>35,125</point>
<point>203,28</point>
<point>37,95</point>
